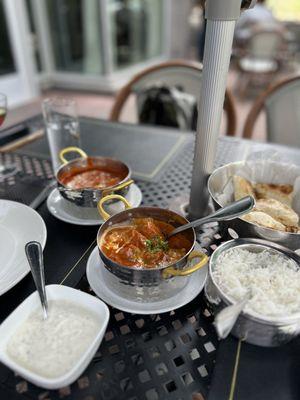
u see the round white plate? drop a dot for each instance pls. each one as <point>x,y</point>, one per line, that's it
<point>95,270</point>
<point>67,212</point>
<point>19,224</point>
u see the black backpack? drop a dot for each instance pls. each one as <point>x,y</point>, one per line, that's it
<point>165,106</point>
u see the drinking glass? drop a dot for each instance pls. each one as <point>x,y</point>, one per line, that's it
<point>7,169</point>
<point>62,126</point>
<point>3,107</point>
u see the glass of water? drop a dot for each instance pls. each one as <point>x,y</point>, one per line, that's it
<point>62,126</point>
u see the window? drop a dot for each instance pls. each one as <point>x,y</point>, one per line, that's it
<point>34,37</point>
<point>75,33</point>
<point>7,64</point>
<point>135,30</point>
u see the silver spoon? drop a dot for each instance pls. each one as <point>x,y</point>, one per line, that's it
<point>34,254</point>
<point>233,210</point>
<point>227,317</point>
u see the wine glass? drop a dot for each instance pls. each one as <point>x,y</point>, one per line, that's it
<point>3,107</point>
<point>5,170</point>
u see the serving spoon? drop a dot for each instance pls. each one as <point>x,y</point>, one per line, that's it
<point>227,317</point>
<point>34,254</point>
<point>233,210</point>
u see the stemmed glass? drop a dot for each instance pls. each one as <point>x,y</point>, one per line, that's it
<point>3,107</point>
<point>5,170</point>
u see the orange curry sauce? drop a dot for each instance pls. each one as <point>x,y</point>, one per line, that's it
<point>141,243</point>
<point>94,178</point>
<point>91,178</point>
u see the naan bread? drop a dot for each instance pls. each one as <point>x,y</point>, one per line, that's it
<point>293,229</point>
<point>273,204</point>
<point>277,210</point>
<point>263,219</point>
<point>282,193</point>
<point>242,188</point>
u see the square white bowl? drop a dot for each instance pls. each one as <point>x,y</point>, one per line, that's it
<point>31,303</point>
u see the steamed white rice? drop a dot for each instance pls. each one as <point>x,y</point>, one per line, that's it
<point>273,281</point>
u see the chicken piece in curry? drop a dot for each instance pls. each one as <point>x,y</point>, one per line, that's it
<point>142,243</point>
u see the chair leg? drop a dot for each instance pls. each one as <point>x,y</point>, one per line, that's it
<point>238,83</point>
<point>243,83</point>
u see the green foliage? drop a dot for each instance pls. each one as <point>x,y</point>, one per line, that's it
<point>285,9</point>
<point>156,244</point>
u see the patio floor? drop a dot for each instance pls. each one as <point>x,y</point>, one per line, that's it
<point>99,105</point>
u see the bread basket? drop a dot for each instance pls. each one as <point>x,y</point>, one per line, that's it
<point>220,182</point>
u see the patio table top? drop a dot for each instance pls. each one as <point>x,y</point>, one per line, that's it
<point>167,356</point>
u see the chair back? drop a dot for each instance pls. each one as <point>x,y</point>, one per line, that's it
<point>187,79</point>
<point>293,29</point>
<point>281,103</point>
<point>186,76</point>
<point>283,114</point>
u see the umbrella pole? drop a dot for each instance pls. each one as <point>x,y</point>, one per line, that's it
<point>221,18</point>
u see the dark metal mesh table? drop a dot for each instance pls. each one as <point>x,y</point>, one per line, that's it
<point>166,356</point>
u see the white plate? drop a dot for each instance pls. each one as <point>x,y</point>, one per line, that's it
<point>95,271</point>
<point>30,304</point>
<point>19,224</point>
<point>67,212</point>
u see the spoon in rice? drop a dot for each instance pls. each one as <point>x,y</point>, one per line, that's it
<point>233,210</point>
<point>226,318</point>
<point>34,254</point>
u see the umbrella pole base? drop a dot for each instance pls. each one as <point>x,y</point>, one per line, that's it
<point>205,234</point>
<point>180,205</point>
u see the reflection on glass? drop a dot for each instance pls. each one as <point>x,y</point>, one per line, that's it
<point>7,65</point>
<point>75,33</point>
<point>136,30</point>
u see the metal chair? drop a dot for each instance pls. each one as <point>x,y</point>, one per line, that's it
<point>186,75</point>
<point>293,37</point>
<point>262,59</point>
<point>281,102</point>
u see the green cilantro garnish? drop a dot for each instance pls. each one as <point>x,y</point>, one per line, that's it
<point>156,244</point>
